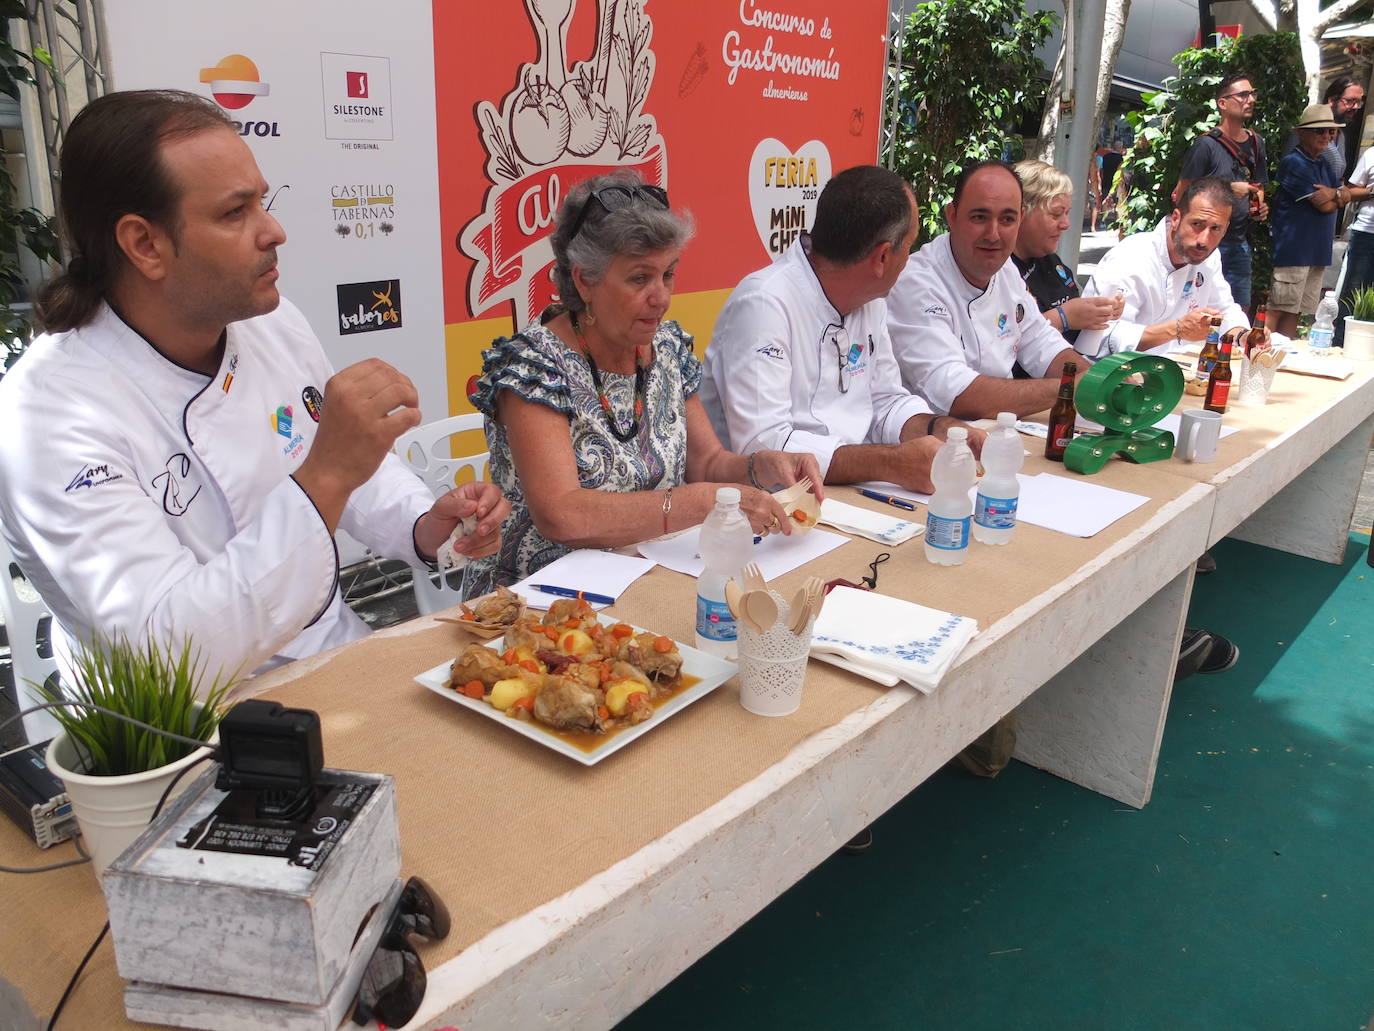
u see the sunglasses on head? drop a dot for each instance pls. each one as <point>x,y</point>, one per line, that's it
<point>613,198</point>
<point>394,982</point>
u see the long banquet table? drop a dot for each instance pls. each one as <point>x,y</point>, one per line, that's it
<point>579,892</point>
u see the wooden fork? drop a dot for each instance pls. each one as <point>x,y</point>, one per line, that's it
<point>753,577</point>
<point>790,494</point>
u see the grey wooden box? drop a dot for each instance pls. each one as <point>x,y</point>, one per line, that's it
<point>184,1007</point>
<point>242,924</point>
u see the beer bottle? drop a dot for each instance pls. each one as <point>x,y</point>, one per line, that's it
<point>1255,338</point>
<point>1062,416</point>
<point>1210,350</point>
<point>1219,384</point>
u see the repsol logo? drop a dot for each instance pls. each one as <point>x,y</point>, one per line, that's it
<point>257,128</point>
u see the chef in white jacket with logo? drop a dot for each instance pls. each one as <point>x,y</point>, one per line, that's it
<point>967,333</point>
<point>1170,279</point>
<point>176,452</point>
<point>800,358</point>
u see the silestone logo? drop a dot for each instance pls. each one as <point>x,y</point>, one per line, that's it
<point>356,90</point>
<point>363,211</point>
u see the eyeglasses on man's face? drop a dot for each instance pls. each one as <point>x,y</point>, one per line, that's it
<point>1248,94</point>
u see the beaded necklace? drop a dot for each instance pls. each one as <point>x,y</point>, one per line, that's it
<point>624,436</point>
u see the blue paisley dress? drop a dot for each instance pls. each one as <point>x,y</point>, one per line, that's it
<point>538,367</point>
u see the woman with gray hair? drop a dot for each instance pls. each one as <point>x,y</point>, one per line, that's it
<point>597,435</point>
<point>1046,196</point>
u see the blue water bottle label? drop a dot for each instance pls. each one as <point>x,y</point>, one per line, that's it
<point>1320,338</point>
<point>714,621</point>
<point>995,513</point>
<point>947,534</point>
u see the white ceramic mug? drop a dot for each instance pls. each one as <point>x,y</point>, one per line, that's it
<point>1198,433</point>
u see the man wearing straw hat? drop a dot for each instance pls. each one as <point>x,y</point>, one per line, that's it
<point>1305,206</point>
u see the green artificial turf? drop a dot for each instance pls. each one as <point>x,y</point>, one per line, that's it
<point>1242,896</point>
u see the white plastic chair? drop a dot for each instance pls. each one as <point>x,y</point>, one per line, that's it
<point>31,656</point>
<point>428,450</point>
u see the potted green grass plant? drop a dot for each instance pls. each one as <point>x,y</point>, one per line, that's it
<point>1359,325</point>
<point>116,771</point>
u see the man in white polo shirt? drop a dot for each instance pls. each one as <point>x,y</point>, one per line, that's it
<point>967,333</point>
<point>800,357</point>
<point>1170,277</point>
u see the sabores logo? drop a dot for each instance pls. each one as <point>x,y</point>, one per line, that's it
<point>235,83</point>
<point>366,307</point>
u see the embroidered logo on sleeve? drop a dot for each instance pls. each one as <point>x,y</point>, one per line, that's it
<point>92,476</point>
<point>229,376</point>
<point>773,351</point>
<point>938,309</point>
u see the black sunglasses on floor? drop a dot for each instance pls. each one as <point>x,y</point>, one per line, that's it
<point>613,198</point>
<point>394,982</point>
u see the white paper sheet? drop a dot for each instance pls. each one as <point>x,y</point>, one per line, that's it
<point>1075,506</point>
<point>776,554</point>
<point>600,572</point>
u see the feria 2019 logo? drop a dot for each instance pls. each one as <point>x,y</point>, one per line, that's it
<point>558,126</point>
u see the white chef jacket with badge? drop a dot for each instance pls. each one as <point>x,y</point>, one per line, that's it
<point>785,371</point>
<point>142,498</point>
<point>946,332</point>
<point>1154,291</point>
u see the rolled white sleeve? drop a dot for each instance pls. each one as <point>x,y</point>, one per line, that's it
<point>892,407</point>
<point>1125,333</point>
<point>1040,344</point>
<point>382,512</point>
<point>928,350</point>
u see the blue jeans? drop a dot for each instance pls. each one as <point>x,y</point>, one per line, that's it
<point>1235,266</point>
<point>1359,271</point>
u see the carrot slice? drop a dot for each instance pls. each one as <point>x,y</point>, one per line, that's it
<point>474,689</point>
<point>636,694</point>
<point>663,645</point>
<point>530,665</point>
<point>572,624</point>
<point>551,634</point>
<point>509,657</point>
<point>603,712</point>
<point>622,630</point>
<point>526,703</point>
<point>468,615</point>
<point>798,515</point>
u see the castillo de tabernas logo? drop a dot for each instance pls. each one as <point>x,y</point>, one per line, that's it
<point>557,127</point>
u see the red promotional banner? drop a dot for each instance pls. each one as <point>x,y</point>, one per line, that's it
<point>741,110</point>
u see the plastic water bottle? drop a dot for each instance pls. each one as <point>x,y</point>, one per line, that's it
<point>994,510</point>
<point>950,511</point>
<point>1324,325</point>
<point>726,543</point>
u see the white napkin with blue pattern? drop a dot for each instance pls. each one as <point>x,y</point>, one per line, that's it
<point>889,636</point>
<point>866,523</point>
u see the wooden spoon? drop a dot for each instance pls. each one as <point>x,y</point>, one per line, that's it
<point>734,597</point>
<point>762,610</point>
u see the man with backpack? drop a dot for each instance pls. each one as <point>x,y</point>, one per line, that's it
<point>1236,154</point>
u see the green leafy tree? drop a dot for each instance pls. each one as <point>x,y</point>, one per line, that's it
<point>1186,108</point>
<point>27,227</point>
<point>969,72</point>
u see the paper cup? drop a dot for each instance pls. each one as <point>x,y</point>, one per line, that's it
<point>772,667</point>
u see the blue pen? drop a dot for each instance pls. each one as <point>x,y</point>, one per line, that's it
<point>568,592</point>
<point>888,499</point>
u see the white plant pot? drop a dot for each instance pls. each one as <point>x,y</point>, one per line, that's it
<point>1359,339</point>
<point>112,811</point>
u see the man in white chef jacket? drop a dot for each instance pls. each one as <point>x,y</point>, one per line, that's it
<point>800,358</point>
<point>967,333</point>
<point>176,451</point>
<point>1170,278</point>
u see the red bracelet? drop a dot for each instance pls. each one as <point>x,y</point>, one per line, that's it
<point>667,507</point>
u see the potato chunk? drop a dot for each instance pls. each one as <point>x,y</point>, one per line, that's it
<point>505,693</point>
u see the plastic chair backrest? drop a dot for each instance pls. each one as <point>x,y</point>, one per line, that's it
<point>428,451</point>
<point>27,625</point>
